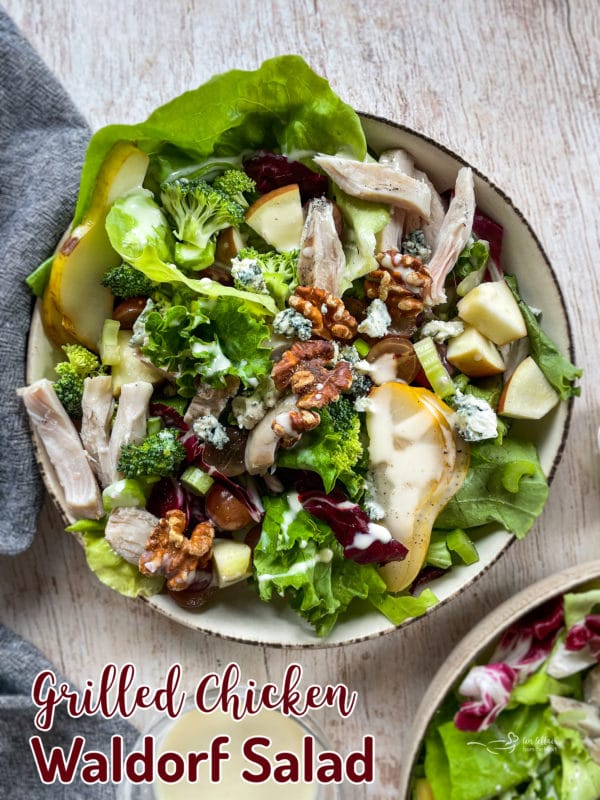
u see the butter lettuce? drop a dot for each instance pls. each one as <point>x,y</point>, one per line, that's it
<point>115,572</point>
<point>505,484</point>
<point>282,105</point>
<point>363,221</point>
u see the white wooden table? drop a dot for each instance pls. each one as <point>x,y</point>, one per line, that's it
<point>513,87</point>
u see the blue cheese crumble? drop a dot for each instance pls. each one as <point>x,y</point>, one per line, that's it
<point>208,429</point>
<point>440,331</point>
<point>377,321</point>
<point>139,337</point>
<point>292,325</point>
<point>248,275</point>
<point>248,410</point>
<point>415,245</point>
<point>475,418</point>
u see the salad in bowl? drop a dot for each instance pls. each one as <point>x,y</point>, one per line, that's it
<point>523,721</point>
<point>266,354</point>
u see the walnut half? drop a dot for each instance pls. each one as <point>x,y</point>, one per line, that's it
<point>309,370</point>
<point>402,283</point>
<point>328,314</point>
<point>170,553</point>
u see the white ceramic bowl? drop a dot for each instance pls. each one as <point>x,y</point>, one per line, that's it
<point>239,614</point>
<point>481,639</point>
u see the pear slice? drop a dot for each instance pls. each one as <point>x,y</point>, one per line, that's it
<point>75,304</point>
<point>277,217</point>
<point>417,466</point>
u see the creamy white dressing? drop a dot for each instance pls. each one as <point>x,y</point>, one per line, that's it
<point>406,461</point>
<point>324,556</point>
<point>376,533</point>
<point>382,370</point>
<point>194,731</point>
<point>295,506</point>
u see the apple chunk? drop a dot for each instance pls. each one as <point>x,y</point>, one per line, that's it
<point>229,244</point>
<point>527,394</point>
<point>232,561</point>
<point>473,354</point>
<point>492,309</point>
<point>277,217</point>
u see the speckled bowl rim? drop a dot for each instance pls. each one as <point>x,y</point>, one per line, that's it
<point>325,644</point>
<point>474,644</point>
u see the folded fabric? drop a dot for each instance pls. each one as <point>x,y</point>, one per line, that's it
<point>42,145</point>
<point>20,662</point>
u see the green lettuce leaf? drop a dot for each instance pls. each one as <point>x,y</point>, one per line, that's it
<point>505,484</point>
<point>559,371</point>
<point>473,258</point>
<point>539,686</point>
<point>333,449</point>
<point>579,604</point>
<point>298,556</point>
<point>207,340</point>
<point>115,572</point>
<point>282,105</point>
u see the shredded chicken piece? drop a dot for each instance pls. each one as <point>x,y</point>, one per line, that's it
<point>390,238</point>
<point>431,228</point>
<point>64,449</point>
<point>97,405</point>
<point>380,183</point>
<point>321,262</point>
<point>263,441</point>
<point>211,401</point>
<point>130,422</point>
<point>128,530</point>
<point>454,234</point>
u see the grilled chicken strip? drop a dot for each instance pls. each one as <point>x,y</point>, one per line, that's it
<point>390,238</point>
<point>454,234</point>
<point>322,261</point>
<point>97,405</point>
<point>64,449</point>
<point>130,423</point>
<point>128,530</point>
<point>379,183</point>
<point>431,228</point>
<point>210,400</point>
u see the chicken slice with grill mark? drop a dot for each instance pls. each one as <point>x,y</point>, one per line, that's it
<point>128,530</point>
<point>378,183</point>
<point>64,449</point>
<point>321,262</point>
<point>130,422</point>
<point>97,406</point>
<point>210,400</point>
<point>454,234</point>
<point>390,238</point>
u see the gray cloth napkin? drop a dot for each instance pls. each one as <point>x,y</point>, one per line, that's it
<point>42,146</point>
<point>20,662</point>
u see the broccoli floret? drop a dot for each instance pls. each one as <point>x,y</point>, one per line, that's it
<point>159,454</point>
<point>235,183</point>
<point>199,212</point>
<point>80,364</point>
<point>343,416</point>
<point>125,281</point>
<point>279,271</point>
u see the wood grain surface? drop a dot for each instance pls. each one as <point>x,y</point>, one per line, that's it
<point>513,87</point>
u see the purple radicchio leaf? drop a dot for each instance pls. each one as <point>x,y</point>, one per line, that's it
<point>522,648</point>
<point>485,228</point>
<point>585,634</point>
<point>169,416</point>
<point>271,171</point>
<point>489,687</point>
<point>363,541</point>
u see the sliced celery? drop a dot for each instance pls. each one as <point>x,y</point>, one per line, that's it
<point>110,353</point>
<point>461,544</point>
<point>154,425</point>
<point>195,479</point>
<point>435,371</point>
<point>362,347</point>
<point>126,493</point>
